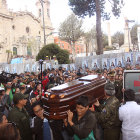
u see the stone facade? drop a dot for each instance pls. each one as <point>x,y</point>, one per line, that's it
<point>21,33</point>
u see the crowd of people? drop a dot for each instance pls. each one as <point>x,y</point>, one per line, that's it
<point>115,117</point>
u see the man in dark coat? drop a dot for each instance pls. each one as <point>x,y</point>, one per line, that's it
<point>20,117</point>
<point>108,114</point>
<point>82,123</point>
<point>37,122</point>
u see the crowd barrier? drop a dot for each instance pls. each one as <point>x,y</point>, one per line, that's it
<point>91,62</point>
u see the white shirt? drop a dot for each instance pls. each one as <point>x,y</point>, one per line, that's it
<point>129,114</point>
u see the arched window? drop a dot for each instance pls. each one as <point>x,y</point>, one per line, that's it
<point>13,27</point>
<point>14,51</point>
<point>39,12</point>
<point>29,51</point>
<point>48,12</point>
<point>27,30</point>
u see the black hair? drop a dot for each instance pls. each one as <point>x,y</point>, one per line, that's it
<point>129,95</point>
<point>15,102</point>
<point>22,88</point>
<point>35,104</point>
<point>1,115</point>
<point>83,101</point>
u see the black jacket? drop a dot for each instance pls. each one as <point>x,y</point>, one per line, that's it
<point>84,126</point>
<point>37,128</point>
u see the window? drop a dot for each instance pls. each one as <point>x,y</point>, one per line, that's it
<point>14,51</point>
<point>13,27</point>
<point>27,30</point>
<point>29,51</point>
<point>48,12</point>
<point>39,12</point>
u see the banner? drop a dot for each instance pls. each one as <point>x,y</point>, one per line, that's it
<point>94,64</point>
<point>27,68</point>
<point>34,68</point>
<point>104,63</point>
<point>128,58</point>
<point>120,62</point>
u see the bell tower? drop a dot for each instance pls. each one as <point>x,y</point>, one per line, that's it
<point>3,4</point>
<point>43,7</point>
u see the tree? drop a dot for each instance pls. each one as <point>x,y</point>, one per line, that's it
<point>105,40</point>
<point>53,49</point>
<point>63,57</point>
<point>83,8</point>
<point>118,38</point>
<point>89,38</point>
<point>134,37</point>
<point>70,31</point>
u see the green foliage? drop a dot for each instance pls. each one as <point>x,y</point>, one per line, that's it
<point>70,30</point>
<point>90,35</point>
<point>105,40</point>
<point>108,48</point>
<point>63,57</point>
<point>53,49</point>
<point>90,8</point>
<point>84,8</point>
<point>118,38</point>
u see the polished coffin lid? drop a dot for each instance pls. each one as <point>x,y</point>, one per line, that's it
<point>63,97</point>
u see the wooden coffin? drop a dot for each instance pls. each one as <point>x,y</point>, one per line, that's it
<point>63,97</point>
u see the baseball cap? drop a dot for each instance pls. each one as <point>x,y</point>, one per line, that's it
<point>19,96</point>
<point>109,86</point>
<point>111,73</point>
<point>109,89</point>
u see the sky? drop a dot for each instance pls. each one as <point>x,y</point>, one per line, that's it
<point>60,10</point>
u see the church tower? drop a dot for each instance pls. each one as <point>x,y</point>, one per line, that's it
<point>3,4</point>
<point>46,8</point>
<point>44,5</point>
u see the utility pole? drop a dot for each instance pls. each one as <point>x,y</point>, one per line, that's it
<point>41,1</point>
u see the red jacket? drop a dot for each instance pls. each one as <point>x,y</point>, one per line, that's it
<point>45,81</point>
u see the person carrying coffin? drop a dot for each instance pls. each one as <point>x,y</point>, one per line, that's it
<point>82,123</point>
<point>108,116</point>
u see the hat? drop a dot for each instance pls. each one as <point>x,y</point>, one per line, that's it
<point>109,86</point>
<point>19,96</point>
<point>111,73</point>
<point>109,89</point>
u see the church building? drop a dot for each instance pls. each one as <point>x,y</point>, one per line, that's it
<point>22,33</point>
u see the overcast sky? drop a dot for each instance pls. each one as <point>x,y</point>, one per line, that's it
<point>59,11</point>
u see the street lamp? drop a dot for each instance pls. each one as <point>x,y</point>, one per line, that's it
<point>41,63</point>
<point>41,1</point>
